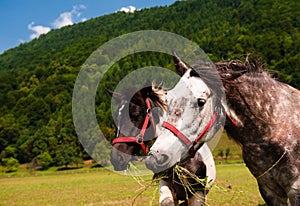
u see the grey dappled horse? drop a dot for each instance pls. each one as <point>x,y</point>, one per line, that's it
<point>263,116</point>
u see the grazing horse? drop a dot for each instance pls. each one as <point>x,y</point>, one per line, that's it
<point>262,115</point>
<point>135,131</point>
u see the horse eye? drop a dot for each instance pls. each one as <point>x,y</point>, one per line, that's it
<point>201,102</point>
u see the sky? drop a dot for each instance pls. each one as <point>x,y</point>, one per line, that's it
<point>24,20</point>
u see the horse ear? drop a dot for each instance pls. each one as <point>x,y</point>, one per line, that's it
<point>115,95</point>
<point>181,66</point>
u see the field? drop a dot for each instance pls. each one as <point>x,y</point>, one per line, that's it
<point>93,187</point>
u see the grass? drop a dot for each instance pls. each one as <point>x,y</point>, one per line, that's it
<point>94,187</point>
<point>234,186</point>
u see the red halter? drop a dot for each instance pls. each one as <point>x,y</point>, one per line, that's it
<point>140,138</point>
<point>231,120</point>
<point>189,144</point>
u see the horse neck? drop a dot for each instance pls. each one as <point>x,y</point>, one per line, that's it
<point>250,104</point>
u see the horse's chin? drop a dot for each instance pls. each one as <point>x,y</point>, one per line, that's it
<point>164,174</point>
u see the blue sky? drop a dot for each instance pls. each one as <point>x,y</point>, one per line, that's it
<point>23,20</point>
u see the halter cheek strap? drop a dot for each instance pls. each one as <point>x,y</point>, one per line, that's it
<point>233,122</point>
<point>140,138</point>
<point>178,134</point>
<point>188,143</point>
<point>207,127</point>
<point>146,121</point>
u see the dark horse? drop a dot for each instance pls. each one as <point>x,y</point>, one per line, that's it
<point>263,116</point>
<point>135,131</point>
<point>130,118</point>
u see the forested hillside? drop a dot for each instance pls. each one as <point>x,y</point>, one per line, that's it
<point>37,78</point>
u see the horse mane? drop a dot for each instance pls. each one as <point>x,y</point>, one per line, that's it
<point>209,74</point>
<point>240,78</point>
<point>233,69</point>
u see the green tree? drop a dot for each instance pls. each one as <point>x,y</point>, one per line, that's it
<point>221,153</point>
<point>44,160</point>
<point>227,153</point>
<point>9,130</point>
<point>9,151</point>
<point>11,164</point>
<point>66,156</point>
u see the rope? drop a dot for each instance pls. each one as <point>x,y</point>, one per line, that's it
<point>268,170</point>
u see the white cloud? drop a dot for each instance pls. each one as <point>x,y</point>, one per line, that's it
<point>64,19</point>
<point>67,18</point>
<point>128,9</point>
<point>38,30</point>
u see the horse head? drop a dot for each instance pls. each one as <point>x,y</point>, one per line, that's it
<point>193,117</point>
<point>135,124</point>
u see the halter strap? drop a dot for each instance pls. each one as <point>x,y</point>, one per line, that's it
<point>231,120</point>
<point>207,127</point>
<point>140,138</point>
<point>147,119</point>
<point>188,143</point>
<point>177,133</point>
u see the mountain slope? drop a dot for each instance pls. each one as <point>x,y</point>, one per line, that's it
<point>37,78</point>
<point>224,29</point>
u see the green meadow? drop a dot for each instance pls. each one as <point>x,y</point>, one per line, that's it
<point>234,186</point>
<point>98,186</point>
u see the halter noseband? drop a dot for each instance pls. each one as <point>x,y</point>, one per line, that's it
<point>188,143</point>
<point>140,138</point>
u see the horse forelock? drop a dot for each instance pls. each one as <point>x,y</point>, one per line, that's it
<point>154,92</point>
<point>159,95</point>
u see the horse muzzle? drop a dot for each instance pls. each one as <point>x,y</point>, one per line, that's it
<point>119,160</point>
<point>157,162</point>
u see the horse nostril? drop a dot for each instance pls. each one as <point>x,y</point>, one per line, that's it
<point>162,158</point>
<point>159,158</point>
<point>157,162</point>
